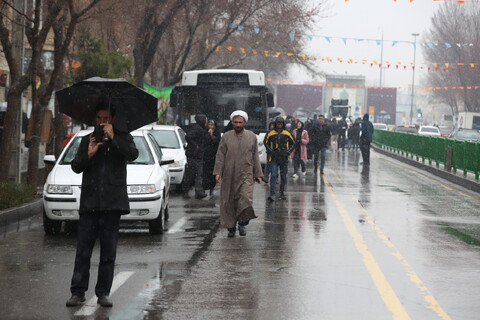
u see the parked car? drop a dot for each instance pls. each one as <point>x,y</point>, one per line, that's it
<point>465,135</point>
<point>380,126</point>
<point>445,131</point>
<point>148,183</point>
<point>429,131</point>
<point>172,141</point>
<point>406,128</point>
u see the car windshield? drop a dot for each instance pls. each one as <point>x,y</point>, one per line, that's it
<point>468,134</point>
<point>144,153</point>
<point>432,130</point>
<point>166,139</point>
<point>380,126</point>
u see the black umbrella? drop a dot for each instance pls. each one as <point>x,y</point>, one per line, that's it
<point>134,107</point>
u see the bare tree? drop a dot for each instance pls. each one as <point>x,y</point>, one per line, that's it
<point>453,29</point>
<point>63,16</point>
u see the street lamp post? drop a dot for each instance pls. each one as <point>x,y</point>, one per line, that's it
<point>415,35</point>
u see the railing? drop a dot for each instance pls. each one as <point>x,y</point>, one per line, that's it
<point>455,154</point>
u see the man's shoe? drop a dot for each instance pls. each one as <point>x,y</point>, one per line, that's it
<point>186,196</point>
<point>270,199</point>
<point>105,302</point>
<point>304,173</point>
<point>321,172</point>
<point>295,175</point>
<point>231,232</point>
<point>75,301</point>
<point>242,231</point>
<point>282,197</point>
<point>200,195</point>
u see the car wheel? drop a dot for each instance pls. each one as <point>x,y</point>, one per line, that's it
<point>51,227</point>
<point>166,214</point>
<point>179,188</point>
<point>155,226</point>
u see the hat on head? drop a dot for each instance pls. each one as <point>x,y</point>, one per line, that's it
<point>240,113</point>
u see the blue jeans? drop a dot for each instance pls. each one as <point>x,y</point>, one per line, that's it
<point>274,166</point>
<point>323,152</point>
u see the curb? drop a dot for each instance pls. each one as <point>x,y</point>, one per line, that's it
<point>465,183</point>
<point>16,214</point>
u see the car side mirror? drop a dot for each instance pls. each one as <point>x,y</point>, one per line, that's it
<point>164,162</point>
<point>270,101</point>
<point>49,159</point>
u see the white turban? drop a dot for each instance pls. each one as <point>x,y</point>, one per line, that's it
<point>240,113</point>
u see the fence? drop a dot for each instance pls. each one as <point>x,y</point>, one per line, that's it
<point>455,154</point>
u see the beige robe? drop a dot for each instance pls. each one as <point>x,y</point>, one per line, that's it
<point>238,164</point>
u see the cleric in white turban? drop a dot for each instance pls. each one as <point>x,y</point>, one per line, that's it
<point>237,166</point>
<point>240,113</point>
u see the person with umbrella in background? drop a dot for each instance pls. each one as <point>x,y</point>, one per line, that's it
<point>115,107</point>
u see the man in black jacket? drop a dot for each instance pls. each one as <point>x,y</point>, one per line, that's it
<point>197,138</point>
<point>319,136</point>
<point>103,200</point>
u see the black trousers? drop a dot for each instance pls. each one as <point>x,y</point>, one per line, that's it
<point>103,225</point>
<point>193,175</point>
<point>365,148</point>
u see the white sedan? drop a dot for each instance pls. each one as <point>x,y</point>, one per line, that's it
<point>148,183</point>
<point>172,141</point>
<point>429,131</point>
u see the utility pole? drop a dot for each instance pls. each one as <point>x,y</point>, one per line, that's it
<point>415,35</point>
<point>18,31</point>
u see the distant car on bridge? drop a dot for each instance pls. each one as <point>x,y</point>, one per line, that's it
<point>429,131</point>
<point>380,126</point>
<point>406,128</point>
<point>471,135</point>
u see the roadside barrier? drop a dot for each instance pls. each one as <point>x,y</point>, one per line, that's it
<point>452,154</point>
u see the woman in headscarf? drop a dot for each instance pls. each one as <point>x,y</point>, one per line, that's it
<point>299,154</point>
<point>211,147</point>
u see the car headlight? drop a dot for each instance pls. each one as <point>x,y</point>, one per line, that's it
<point>59,189</point>
<point>141,188</point>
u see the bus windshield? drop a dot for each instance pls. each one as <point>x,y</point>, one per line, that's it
<point>219,102</point>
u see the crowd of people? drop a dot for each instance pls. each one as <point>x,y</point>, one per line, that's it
<point>233,157</point>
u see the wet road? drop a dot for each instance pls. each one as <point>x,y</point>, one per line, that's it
<point>390,242</point>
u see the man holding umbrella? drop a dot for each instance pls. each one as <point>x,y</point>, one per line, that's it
<point>116,108</point>
<point>103,200</point>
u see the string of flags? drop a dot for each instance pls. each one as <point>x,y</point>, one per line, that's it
<point>323,84</point>
<point>347,40</point>
<point>428,66</point>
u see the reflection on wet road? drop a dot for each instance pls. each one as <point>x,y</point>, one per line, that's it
<point>383,242</point>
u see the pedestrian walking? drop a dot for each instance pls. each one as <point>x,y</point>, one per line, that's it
<point>342,131</point>
<point>266,174</point>
<point>197,138</point>
<point>320,136</point>
<point>334,131</point>
<point>237,167</point>
<point>211,148</point>
<point>365,139</point>
<point>299,154</point>
<point>279,143</point>
<point>103,200</point>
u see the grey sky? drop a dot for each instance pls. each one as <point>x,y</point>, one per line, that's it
<point>366,19</point>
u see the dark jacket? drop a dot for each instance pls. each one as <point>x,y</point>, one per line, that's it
<point>320,135</point>
<point>279,144</point>
<point>367,130</point>
<point>104,181</point>
<point>334,128</point>
<point>197,138</point>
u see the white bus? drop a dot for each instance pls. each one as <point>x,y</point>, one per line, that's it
<point>217,93</point>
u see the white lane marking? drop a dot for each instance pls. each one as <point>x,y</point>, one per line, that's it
<point>91,306</point>
<point>177,227</point>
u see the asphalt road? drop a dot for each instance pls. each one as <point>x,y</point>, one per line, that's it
<point>391,242</point>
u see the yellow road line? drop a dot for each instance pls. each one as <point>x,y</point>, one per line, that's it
<point>383,286</point>
<point>432,303</point>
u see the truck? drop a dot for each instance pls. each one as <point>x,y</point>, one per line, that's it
<point>468,120</point>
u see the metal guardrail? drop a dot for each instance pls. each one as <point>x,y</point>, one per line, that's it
<point>453,154</point>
